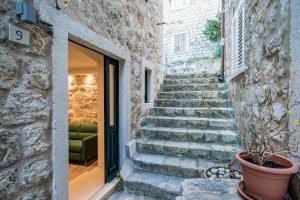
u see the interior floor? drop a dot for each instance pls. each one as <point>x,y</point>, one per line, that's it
<point>76,169</point>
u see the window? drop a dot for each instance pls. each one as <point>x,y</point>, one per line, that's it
<point>147,86</point>
<point>179,4</point>
<point>238,41</point>
<point>180,43</point>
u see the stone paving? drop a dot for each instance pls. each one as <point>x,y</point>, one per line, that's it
<point>179,139</point>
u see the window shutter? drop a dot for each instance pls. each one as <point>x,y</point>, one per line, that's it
<point>238,44</point>
<point>234,49</point>
<point>240,36</point>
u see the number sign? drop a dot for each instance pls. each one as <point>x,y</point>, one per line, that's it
<point>18,35</point>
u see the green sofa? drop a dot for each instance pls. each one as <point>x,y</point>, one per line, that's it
<point>83,142</point>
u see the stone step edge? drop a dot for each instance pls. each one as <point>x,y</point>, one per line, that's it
<point>200,75</point>
<point>192,84</point>
<point>190,145</point>
<point>189,118</point>
<point>186,130</point>
<point>194,108</point>
<point>193,91</point>
<point>148,177</point>
<point>181,162</point>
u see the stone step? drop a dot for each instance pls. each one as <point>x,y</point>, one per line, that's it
<point>126,196</point>
<point>173,166</point>
<point>216,189</point>
<point>189,135</point>
<point>189,122</point>
<point>222,94</point>
<point>191,112</point>
<point>153,185</point>
<point>191,103</point>
<point>187,149</point>
<point>191,81</point>
<point>193,87</point>
<point>190,76</point>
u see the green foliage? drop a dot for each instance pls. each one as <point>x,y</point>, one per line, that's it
<point>121,184</point>
<point>212,29</point>
<point>217,54</point>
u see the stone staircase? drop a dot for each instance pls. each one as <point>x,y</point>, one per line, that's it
<point>182,136</point>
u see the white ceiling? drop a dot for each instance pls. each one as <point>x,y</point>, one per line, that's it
<point>80,57</point>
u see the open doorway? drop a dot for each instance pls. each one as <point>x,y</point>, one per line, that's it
<point>93,120</point>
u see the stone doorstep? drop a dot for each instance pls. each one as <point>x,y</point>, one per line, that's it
<point>189,122</point>
<point>151,186</point>
<point>174,166</point>
<point>191,135</point>
<point>191,112</point>
<point>187,149</point>
<point>126,196</point>
<point>190,102</point>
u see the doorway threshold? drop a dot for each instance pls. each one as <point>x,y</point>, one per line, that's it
<point>107,190</point>
<point>90,186</point>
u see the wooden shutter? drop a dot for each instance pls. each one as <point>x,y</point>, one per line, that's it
<point>238,41</point>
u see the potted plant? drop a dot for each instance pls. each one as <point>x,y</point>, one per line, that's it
<point>265,167</point>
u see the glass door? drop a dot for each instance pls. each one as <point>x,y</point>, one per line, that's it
<point>111,68</point>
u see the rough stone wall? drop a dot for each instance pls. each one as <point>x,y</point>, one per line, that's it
<point>133,25</point>
<point>83,99</point>
<point>267,57</point>
<point>25,113</point>
<point>190,20</point>
<point>26,88</point>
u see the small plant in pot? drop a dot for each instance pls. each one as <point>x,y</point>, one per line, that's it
<point>265,166</point>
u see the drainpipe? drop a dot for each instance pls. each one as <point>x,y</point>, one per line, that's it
<point>221,78</point>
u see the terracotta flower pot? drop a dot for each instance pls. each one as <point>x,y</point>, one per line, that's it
<point>264,182</point>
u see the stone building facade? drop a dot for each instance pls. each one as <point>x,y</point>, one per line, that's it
<point>33,91</point>
<point>265,87</point>
<point>185,22</point>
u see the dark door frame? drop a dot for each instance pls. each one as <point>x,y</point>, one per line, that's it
<point>111,132</point>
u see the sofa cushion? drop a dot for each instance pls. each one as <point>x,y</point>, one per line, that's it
<point>81,136</point>
<point>74,127</point>
<point>75,146</point>
<point>73,136</point>
<point>88,128</point>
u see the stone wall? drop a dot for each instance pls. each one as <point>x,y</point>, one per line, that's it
<point>83,99</point>
<point>132,25</point>
<point>190,20</point>
<point>272,60</point>
<point>267,57</point>
<point>26,87</point>
<point>25,114</point>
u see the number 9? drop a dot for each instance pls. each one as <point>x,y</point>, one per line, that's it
<point>19,34</point>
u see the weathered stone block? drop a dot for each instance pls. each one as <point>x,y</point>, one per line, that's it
<point>40,193</point>
<point>274,45</point>
<point>8,183</point>
<point>37,76</point>
<point>24,107</point>
<point>35,140</point>
<point>9,72</point>
<point>9,148</point>
<point>35,172</point>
